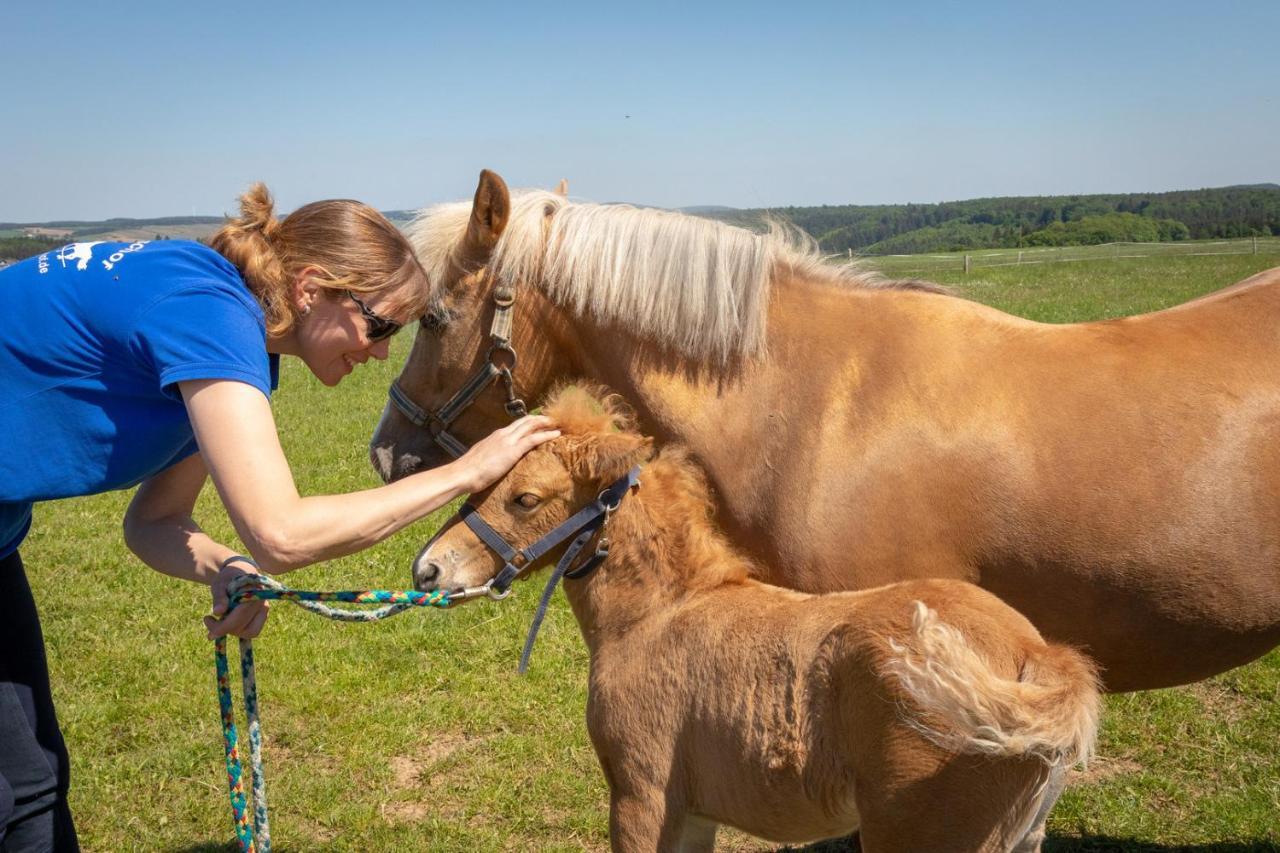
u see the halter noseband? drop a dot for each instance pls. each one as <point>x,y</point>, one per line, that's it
<point>437,423</point>
<point>580,527</point>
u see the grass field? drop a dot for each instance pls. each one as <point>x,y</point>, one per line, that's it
<point>416,734</point>
<point>927,265</point>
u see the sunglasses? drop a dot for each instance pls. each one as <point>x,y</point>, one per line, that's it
<point>377,327</point>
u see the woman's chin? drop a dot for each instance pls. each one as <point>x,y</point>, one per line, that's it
<point>331,378</point>
<point>337,371</point>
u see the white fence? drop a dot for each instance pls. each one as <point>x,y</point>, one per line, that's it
<point>981,258</point>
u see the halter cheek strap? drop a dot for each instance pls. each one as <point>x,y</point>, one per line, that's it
<point>580,528</point>
<point>437,423</point>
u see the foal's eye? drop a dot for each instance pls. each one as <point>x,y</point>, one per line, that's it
<point>528,500</point>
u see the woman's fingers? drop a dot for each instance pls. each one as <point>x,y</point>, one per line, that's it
<point>246,620</point>
<point>219,591</point>
<point>256,624</point>
<point>529,425</point>
<point>494,455</point>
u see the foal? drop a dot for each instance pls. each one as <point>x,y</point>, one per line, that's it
<point>926,714</point>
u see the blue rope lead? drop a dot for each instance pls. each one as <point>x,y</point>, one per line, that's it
<point>256,838</point>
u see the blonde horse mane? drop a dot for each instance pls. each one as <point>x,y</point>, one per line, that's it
<point>696,285</point>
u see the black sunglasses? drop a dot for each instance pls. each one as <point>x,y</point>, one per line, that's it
<point>377,328</point>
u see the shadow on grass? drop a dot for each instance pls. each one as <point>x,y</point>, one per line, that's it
<point>228,847</point>
<point>1107,844</point>
<point>1083,844</point>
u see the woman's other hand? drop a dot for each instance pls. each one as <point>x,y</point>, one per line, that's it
<point>248,617</point>
<point>493,456</point>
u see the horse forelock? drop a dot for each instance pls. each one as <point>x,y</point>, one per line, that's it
<point>698,286</point>
<point>585,409</point>
<point>681,495</point>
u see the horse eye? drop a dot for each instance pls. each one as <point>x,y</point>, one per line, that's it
<point>437,318</point>
<point>528,500</point>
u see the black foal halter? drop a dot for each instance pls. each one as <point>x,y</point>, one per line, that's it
<point>579,527</point>
<point>437,423</point>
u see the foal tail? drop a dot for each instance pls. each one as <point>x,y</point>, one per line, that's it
<point>1050,711</point>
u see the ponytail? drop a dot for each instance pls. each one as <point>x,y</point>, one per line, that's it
<point>251,242</point>
<point>353,246</point>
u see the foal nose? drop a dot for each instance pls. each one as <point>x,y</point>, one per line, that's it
<point>425,576</point>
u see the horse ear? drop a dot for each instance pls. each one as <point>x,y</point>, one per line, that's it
<point>562,188</point>
<point>489,213</point>
<point>606,457</point>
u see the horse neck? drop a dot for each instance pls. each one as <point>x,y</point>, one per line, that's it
<point>664,546</point>
<point>654,377</point>
<point>717,411</point>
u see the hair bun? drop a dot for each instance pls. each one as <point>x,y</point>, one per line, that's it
<point>257,211</point>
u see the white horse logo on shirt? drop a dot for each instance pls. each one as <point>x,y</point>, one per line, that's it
<point>81,252</point>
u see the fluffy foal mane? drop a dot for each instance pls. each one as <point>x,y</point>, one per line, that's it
<point>681,495</point>
<point>696,285</point>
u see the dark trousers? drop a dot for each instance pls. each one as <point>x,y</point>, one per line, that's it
<point>34,772</point>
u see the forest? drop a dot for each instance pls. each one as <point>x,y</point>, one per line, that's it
<point>893,229</point>
<point>1074,220</point>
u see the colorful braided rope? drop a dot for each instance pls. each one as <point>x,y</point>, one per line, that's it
<point>256,838</point>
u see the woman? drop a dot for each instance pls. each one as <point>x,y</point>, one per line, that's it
<point>153,363</point>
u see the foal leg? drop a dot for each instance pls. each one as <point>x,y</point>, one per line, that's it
<point>970,804</point>
<point>1035,836</point>
<point>642,824</point>
<point>699,835</point>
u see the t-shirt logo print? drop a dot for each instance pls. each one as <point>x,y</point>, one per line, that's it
<point>81,252</point>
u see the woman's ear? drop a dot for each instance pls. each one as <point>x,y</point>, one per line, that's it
<point>305,289</point>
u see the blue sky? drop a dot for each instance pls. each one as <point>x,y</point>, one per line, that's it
<point>149,109</point>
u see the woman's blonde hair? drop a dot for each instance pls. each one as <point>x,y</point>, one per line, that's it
<point>355,248</point>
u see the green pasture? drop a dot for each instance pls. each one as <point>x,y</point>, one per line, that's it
<point>938,264</point>
<point>416,734</point>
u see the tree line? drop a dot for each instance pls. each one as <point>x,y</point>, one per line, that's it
<point>1035,220</point>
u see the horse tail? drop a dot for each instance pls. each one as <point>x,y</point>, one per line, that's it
<point>1050,711</point>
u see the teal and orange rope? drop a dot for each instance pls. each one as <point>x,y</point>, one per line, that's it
<point>255,837</point>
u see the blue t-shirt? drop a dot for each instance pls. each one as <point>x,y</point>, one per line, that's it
<point>93,338</point>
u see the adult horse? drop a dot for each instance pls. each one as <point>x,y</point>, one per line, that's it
<point>1118,482</point>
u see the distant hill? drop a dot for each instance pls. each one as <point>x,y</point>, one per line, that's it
<point>1239,211</point>
<point>709,210</point>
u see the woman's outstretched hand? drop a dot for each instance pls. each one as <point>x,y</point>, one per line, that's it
<point>491,457</point>
<point>247,619</point>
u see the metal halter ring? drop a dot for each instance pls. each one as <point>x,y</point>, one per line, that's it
<point>500,346</point>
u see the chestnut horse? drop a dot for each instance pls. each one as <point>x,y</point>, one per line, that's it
<point>1117,482</point>
<point>928,714</point>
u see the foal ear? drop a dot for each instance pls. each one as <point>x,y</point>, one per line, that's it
<point>562,188</point>
<point>607,457</point>
<point>489,213</point>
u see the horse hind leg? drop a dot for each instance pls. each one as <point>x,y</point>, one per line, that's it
<point>970,805</point>
<point>1032,841</point>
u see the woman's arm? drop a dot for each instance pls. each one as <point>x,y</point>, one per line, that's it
<point>159,528</point>
<point>283,531</point>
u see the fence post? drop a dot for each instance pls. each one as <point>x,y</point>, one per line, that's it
<point>966,264</point>
<point>1255,244</point>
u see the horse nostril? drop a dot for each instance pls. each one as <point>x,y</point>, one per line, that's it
<point>425,576</point>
